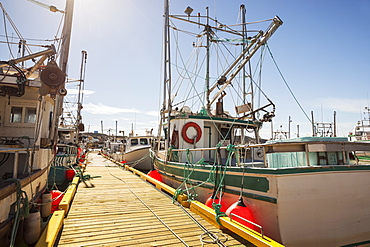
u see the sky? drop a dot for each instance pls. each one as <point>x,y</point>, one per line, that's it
<point>322,50</point>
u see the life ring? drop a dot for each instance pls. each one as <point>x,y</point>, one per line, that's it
<point>186,127</point>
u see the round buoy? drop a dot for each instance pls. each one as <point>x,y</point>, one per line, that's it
<point>123,162</point>
<point>214,199</point>
<point>57,196</point>
<point>46,199</point>
<point>156,175</point>
<point>70,174</point>
<point>240,209</point>
<point>31,228</point>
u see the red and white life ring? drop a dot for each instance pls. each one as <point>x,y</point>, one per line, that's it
<point>186,127</point>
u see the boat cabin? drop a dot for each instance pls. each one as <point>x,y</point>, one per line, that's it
<point>136,142</point>
<point>204,133</point>
<point>312,151</point>
<point>25,122</point>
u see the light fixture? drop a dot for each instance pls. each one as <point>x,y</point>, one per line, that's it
<point>188,11</point>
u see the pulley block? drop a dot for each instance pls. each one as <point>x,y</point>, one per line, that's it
<point>52,76</point>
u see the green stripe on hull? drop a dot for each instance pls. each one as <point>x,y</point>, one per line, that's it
<point>233,178</point>
<point>180,179</point>
<point>201,173</point>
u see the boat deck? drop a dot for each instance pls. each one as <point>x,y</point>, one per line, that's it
<point>120,209</point>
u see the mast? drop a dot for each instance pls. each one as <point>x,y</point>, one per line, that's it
<point>167,103</point>
<point>66,36</point>
<point>63,60</point>
<point>79,99</point>
<point>244,36</point>
<point>208,30</point>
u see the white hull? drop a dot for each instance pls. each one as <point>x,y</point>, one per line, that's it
<point>310,208</point>
<point>323,209</point>
<point>137,158</point>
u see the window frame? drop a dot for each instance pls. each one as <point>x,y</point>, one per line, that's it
<point>24,106</point>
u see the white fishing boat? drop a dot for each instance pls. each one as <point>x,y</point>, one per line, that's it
<point>31,89</point>
<point>134,151</point>
<point>310,191</point>
<point>361,132</point>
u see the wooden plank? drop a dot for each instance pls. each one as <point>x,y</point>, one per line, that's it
<point>121,209</point>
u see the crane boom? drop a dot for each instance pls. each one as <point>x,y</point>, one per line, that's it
<point>227,77</point>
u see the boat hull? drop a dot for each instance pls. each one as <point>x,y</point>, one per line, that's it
<point>138,158</point>
<point>316,206</point>
<point>34,186</point>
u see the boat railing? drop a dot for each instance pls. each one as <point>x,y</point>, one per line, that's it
<point>64,159</point>
<point>204,155</point>
<point>295,154</point>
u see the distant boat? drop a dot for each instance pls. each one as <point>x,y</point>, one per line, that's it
<point>309,191</point>
<point>134,151</point>
<point>361,132</point>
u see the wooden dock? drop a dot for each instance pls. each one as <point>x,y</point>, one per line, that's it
<point>120,209</point>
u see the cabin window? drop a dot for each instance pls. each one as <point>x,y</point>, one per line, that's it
<point>134,142</point>
<point>16,115</point>
<point>20,114</point>
<point>30,115</point>
<point>291,159</point>
<point>143,141</point>
<point>226,134</point>
<point>326,158</point>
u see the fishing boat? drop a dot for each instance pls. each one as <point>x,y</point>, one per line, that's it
<point>32,87</point>
<point>67,156</point>
<point>134,151</point>
<point>310,191</point>
<point>70,150</point>
<point>361,132</point>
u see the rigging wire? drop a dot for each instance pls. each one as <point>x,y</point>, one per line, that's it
<point>277,67</point>
<point>16,43</point>
<point>59,40</point>
<point>192,82</point>
<point>5,29</point>
<point>5,14</point>
<point>46,40</point>
<point>176,37</point>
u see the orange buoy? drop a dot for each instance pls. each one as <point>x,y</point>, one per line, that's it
<point>57,197</point>
<point>241,210</point>
<point>70,174</point>
<point>156,175</point>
